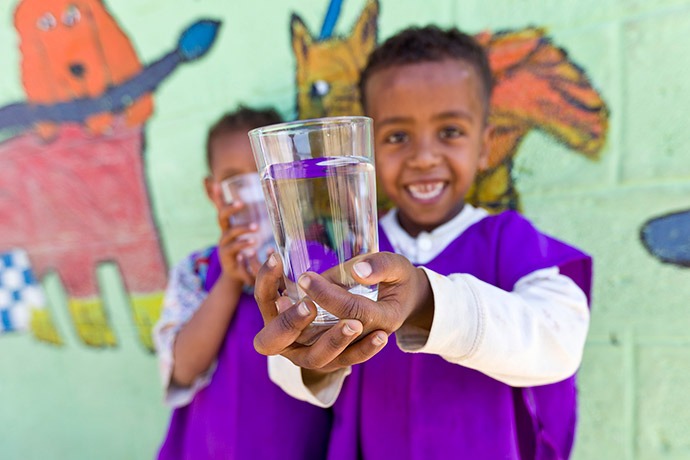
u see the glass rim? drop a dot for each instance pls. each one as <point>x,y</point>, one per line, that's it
<point>241,178</point>
<point>310,122</point>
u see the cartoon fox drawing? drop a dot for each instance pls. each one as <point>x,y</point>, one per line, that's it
<point>328,71</point>
<point>537,87</point>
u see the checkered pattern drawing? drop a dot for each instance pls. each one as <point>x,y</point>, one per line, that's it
<point>20,293</point>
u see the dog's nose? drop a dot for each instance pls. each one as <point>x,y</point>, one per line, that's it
<point>77,70</point>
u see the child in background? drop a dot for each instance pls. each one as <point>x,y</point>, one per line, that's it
<point>224,404</point>
<point>490,315</point>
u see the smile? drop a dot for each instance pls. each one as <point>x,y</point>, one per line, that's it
<point>426,191</point>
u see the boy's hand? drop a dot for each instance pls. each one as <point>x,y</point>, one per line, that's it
<point>285,323</point>
<point>404,296</point>
<point>236,265</point>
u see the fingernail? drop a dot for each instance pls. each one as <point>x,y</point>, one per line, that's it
<point>272,261</point>
<point>304,282</point>
<point>302,309</point>
<point>253,226</point>
<point>278,309</point>
<point>379,339</point>
<point>362,269</point>
<point>348,331</point>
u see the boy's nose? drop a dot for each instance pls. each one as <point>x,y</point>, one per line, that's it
<point>424,157</point>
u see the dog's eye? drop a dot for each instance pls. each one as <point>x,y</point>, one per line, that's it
<point>71,16</point>
<point>46,22</point>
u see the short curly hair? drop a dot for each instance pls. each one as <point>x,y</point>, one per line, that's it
<point>242,119</point>
<point>429,44</point>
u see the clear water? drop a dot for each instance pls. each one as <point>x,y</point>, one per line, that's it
<point>324,215</point>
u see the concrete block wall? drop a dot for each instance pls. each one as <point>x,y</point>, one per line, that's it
<point>635,369</point>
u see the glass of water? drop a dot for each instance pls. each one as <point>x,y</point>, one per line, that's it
<point>320,188</point>
<point>247,189</point>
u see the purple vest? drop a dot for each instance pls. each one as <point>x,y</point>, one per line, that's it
<point>241,414</point>
<point>420,407</point>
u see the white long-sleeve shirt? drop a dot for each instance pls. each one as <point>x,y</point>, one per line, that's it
<point>532,335</point>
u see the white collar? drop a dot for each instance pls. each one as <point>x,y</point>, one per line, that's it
<point>427,246</point>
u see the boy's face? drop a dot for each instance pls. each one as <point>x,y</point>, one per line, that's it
<point>431,138</point>
<point>231,155</point>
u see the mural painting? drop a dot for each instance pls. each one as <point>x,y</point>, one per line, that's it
<point>537,86</point>
<point>73,188</point>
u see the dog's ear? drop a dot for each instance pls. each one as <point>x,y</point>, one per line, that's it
<point>118,52</point>
<point>37,79</point>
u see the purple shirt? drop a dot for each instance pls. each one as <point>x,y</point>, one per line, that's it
<point>241,414</point>
<point>419,406</point>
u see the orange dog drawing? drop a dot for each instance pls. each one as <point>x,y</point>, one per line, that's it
<point>74,49</point>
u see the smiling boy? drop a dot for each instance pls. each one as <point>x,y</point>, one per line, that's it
<point>490,316</point>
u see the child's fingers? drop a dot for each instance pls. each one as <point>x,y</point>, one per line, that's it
<point>339,301</point>
<point>359,352</point>
<point>328,347</point>
<point>226,211</point>
<point>266,288</point>
<point>382,267</point>
<point>282,331</point>
<point>233,233</point>
<point>311,334</point>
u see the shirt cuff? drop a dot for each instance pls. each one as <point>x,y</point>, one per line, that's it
<point>176,396</point>
<point>457,324</point>
<point>288,376</point>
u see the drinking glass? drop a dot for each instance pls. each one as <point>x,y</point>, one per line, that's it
<point>246,188</point>
<point>320,188</point>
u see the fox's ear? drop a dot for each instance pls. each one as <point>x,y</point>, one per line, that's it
<point>301,39</point>
<point>365,30</point>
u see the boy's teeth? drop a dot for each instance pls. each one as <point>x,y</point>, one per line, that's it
<point>426,191</point>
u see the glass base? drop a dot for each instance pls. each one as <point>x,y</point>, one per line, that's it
<point>325,318</point>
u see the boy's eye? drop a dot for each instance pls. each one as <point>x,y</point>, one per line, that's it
<point>397,137</point>
<point>451,132</point>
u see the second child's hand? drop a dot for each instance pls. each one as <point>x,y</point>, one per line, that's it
<point>235,264</point>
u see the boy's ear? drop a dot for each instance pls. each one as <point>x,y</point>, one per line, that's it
<point>365,30</point>
<point>486,148</point>
<point>210,189</point>
<point>301,39</point>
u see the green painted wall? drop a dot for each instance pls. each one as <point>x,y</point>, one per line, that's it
<point>75,402</point>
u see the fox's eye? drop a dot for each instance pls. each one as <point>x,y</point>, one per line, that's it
<point>320,88</point>
<point>451,132</point>
<point>397,137</point>
<point>46,22</point>
<point>71,16</point>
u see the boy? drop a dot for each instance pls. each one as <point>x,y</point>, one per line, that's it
<point>497,314</point>
<point>225,405</point>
